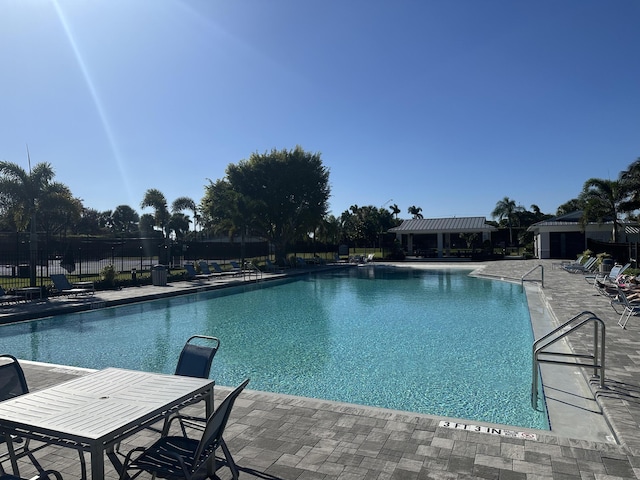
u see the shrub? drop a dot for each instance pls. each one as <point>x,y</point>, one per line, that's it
<point>108,276</point>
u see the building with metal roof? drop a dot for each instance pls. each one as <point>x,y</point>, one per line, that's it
<point>436,236</point>
<point>565,237</point>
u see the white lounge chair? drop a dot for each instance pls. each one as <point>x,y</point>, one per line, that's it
<point>587,267</point>
<point>609,278</point>
<point>629,307</point>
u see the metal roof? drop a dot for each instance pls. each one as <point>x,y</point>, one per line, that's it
<point>444,225</point>
<point>569,219</point>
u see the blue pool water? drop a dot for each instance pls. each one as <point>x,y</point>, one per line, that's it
<point>436,342</point>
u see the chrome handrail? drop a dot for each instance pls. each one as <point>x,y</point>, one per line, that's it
<point>541,267</point>
<point>558,334</point>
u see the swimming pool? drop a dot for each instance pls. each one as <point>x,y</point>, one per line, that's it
<point>437,342</point>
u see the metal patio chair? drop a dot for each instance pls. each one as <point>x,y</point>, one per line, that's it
<point>13,384</point>
<point>181,457</point>
<point>197,355</point>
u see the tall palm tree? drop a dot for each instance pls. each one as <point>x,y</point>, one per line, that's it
<point>155,199</point>
<point>395,210</point>
<point>185,203</point>
<point>415,211</point>
<point>25,194</point>
<point>602,202</point>
<point>506,209</point>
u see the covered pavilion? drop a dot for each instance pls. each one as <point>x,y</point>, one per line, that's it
<point>433,236</point>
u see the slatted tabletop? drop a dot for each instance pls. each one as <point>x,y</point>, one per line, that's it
<point>93,412</point>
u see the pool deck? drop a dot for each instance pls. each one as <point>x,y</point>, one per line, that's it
<point>284,437</point>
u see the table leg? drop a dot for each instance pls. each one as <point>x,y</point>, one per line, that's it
<point>97,462</point>
<point>209,408</point>
<point>12,454</point>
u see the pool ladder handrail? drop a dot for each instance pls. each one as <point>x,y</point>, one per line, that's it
<point>560,333</point>
<point>250,269</point>
<point>541,267</point>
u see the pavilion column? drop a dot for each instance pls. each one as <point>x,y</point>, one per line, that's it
<point>440,244</point>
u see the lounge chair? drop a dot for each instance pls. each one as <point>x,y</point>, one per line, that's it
<point>629,307</point>
<point>193,275</point>
<point>579,261</point>
<point>269,266</point>
<point>607,278</point>
<point>219,271</point>
<point>6,298</point>
<point>587,267</point>
<point>235,267</point>
<point>181,457</point>
<point>64,287</point>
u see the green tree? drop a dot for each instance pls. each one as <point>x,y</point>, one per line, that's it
<point>629,183</point>
<point>283,194</point>
<point>602,200</point>
<point>90,222</point>
<point>23,196</point>
<point>507,210</point>
<point>124,219</point>
<point>363,226</point>
<point>573,205</point>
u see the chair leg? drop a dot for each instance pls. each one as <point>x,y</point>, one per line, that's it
<point>227,455</point>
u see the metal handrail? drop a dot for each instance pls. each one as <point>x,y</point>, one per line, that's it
<point>541,267</point>
<point>249,269</point>
<point>558,334</point>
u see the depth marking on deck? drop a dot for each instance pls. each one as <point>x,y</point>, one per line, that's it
<point>491,430</point>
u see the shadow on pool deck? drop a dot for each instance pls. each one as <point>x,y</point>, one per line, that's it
<point>282,437</point>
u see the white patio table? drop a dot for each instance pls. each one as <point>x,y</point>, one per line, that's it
<point>95,412</point>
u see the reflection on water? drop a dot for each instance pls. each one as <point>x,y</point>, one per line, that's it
<point>437,342</point>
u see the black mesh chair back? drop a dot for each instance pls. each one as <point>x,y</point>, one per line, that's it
<point>182,457</point>
<point>212,436</point>
<point>12,381</point>
<point>196,358</point>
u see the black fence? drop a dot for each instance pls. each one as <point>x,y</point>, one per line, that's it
<point>85,258</point>
<point>620,252</point>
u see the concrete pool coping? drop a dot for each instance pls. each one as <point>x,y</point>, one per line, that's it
<point>416,444</point>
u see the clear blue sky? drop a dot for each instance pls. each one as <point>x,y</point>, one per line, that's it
<point>448,105</point>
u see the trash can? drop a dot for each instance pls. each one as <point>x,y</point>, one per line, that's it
<point>606,265</point>
<point>159,275</point>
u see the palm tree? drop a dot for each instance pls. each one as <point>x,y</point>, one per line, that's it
<point>155,199</point>
<point>25,194</point>
<point>124,219</point>
<point>395,210</point>
<point>506,209</point>
<point>186,203</point>
<point>629,182</point>
<point>415,211</point>
<point>603,199</point>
